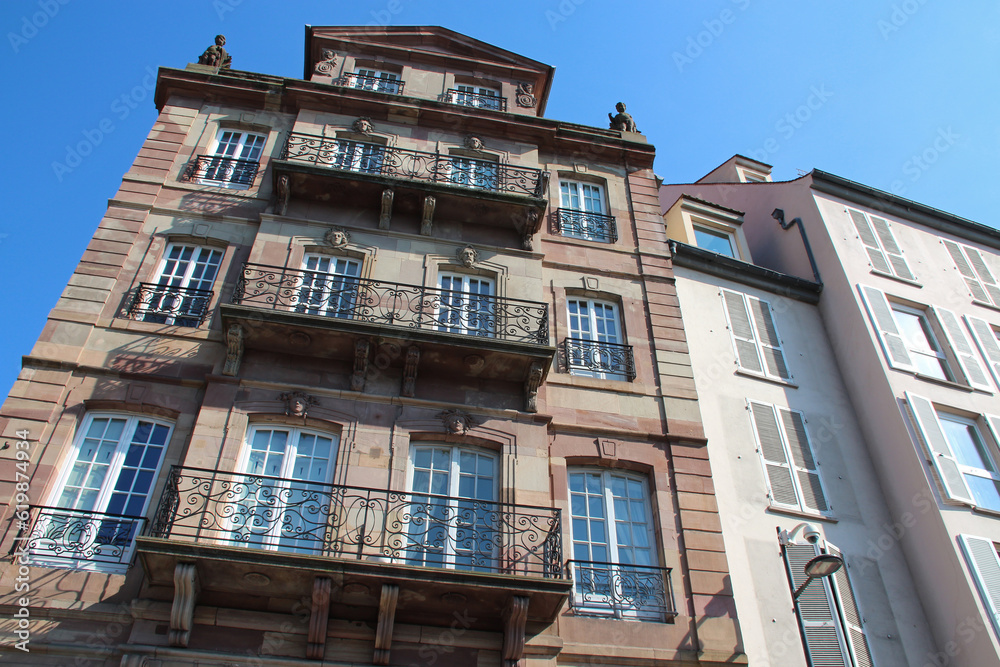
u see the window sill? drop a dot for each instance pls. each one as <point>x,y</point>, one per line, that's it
<point>983,304</point>
<point>766,378</point>
<point>892,276</point>
<point>985,511</point>
<point>945,383</point>
<point>799,514</point>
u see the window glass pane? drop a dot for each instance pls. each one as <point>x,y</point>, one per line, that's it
<point>967,444</point>
<point>986,491</point>
<point>714,241</point>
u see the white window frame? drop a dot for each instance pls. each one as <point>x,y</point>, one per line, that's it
<point>463,311</point>
<point>979,280</point>
<point>583,197</point>
<point>249,147</point>
<point>363,157</point>
<point>391,79</point>
<point>984,565</point>
<point>200,271</point>
<point>924,346</point>
<point>885,256</point>
<point>473,95</point>
<point>473,172</point>
<point>316,295</point>
<point>593,334</point>
<point>757,343</point>
<point>718,232</point>
<point>116,461</point>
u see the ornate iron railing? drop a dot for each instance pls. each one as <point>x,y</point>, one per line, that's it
<point>376,83</point>
<point>394,304</point>
<point>222,169</point>
<point>477,100</point>
<point>254,511</point>
<point>623,591</point>
<point>604,360</point>
<point>369,158</point>
<point>52,535</point>
<point>584,225</point>
<point>183,306</point>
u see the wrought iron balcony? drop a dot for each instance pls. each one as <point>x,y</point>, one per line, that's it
<point>477,100</point>
<point>410,165</point>
<point>380,526</point>
<point>181,306</point>
<point>376,302</point>
<point>585,225</point>
<point>592,358</point>
<point>620,590</point>
<point>376,83</point>
<point>221,169</point>
<point>72,538</point>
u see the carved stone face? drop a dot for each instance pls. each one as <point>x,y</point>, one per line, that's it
<point>468,256</point>
<point>620,107</point>
<point>364,126</point>
<point>474,143</point>
<point>455,424</point>
<point>298,407</point>
<point>337,237</point>
<point>220,40</point>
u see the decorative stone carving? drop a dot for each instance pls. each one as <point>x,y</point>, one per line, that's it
<point>297,403</point>
<point>327,64</point>
<point>531,384</point>
<point>216,55</point>
<point>386,620</point>
<point>363,125</point>
<point>337,237</point>
<point>527,241</point>
<point>410,371</point>
<point>361,348</point>
<point>386,215</point>
<point>284,193</point>
<point>623,121</point>
<point>427,221</point>
<point>319,618</point>
<point>474,143</point>
<point>525,95</point>
<point>468,256</point>
<point>608,448</point>
<point>234,349</point>
<point>515,616</point>
<point>186,591</point>
<point>457,422</point>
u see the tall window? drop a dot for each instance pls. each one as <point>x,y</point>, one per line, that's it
<point>921,343</point>
<point>792,477</point>
<point>615,561</point>
<point>104,495</point>
<point>329,286</point>
<point>453,516</point>
<point>480,97</point>
<point>480,174</point>
<point>375,79</point>
<point>977,275</point>
<point>884,254</point>
<point>234,160</point>
<point>185,279</point>
<point>583,212</point>
<point>595,344</point>
<point>755,336</point>
<point>358,156</point>
<point>467,305</point>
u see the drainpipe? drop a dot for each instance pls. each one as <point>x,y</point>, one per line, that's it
<point>779,215</point>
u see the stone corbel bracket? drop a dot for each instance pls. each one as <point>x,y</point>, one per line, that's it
<point>284,194</point>
<point>361,350</point>
<point>234,349</point>
<point>410,371</point>
<point>186,591</point>
<point>515,617</point>
<point>385,217</point>
<point>386,620</point>
<point>319,618</point>
<point>531,384</point>
<point>427,220</point>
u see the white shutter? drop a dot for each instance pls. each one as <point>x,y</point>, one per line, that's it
<point>892,249</point>
<point>805,466</point>
<point>942,458</point>
<point>982,558</point>
<point>817,612</point>
<point>768,339</point>
<point>876,257</point>
<point>849,613</point>
<point>960,345</point>
<point>984,273</point>
<point>780,484</point>
<point>884,324</point>
<point>977,289</point>
<point>986,340</point>
<point>744,342</point>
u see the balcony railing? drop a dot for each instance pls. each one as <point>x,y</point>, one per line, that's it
<point>66,537</point>
<point>609,361</point>
<point>376,83</point>
<point>380,160</point>
<point>182,306</point>
<point>620,590</point>
<point>222,169</point>
<point>394,304</point>
<point>584,225</point>
<point>376,525</point>
<point>477,100</point>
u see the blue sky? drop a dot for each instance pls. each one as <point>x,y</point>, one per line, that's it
<point>900,95</point>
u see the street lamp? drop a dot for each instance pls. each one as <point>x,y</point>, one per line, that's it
<point>821,566</point>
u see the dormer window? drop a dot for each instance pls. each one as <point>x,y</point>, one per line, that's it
<point>715,240</point>
<point>708,226</point>
<point>479,97</point>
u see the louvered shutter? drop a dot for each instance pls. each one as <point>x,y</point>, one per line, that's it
<point>960,345</point>
<point>982,558</point>
<point>892,249</point>
<point>942,458</point>
<point>805,466</point>
<point>742,331</point>
<point>767,337</point>
<point>986,340</point>
<point>885,326</point>
<point>816,609</point>
<point>849,613</point>
<point>780,484</point>
<point>971,279</point>
<point>875,255</point>
<point>984,273</point>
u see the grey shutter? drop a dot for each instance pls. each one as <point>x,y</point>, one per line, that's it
<point>942,458</point>
<point>780,484</point>
<point>982,558</point>
<point>986,340</point>
<point>767,337</point>
<point>816,610</point>
<point>742,331</point>
<point>892,249</point>
<point>875,255</point>
<point>984,273</point>
<point>850,615</point>
<point>963,349</point>
<point>885,326</point>
<point>971,280</point>
<point>805,466</point>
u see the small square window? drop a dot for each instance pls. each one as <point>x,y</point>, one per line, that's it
<point>715,240</point>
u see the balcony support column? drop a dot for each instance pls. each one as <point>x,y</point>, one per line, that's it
<point>361,348</point>
<point>427,221</point>
<point>319,618</point>
<point>531,387</point>
<point>410,371</point>
<point>515,616</point>
<point>386,215</point>
<point>186,591</point>
<point>386,620</point>
<point>234,350</point>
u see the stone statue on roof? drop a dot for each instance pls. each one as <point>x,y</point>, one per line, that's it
<point>216,55</point>
<point>623,121</point>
